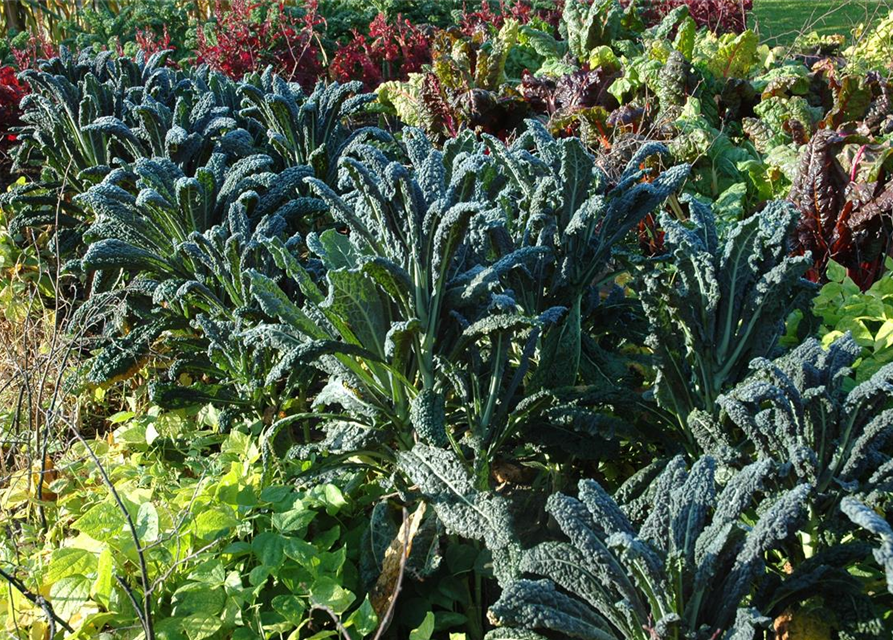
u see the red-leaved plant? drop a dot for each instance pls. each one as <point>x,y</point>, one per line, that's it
<point>37,47</point>
<point>389,52</point>
<point>11,93</point>
<point>841,219</point>
<point>721,16</point>
<point>149,42</point>
<point>249,36</point>
<point>519,10</point>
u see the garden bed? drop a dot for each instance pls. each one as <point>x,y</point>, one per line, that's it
<point>518,320</point>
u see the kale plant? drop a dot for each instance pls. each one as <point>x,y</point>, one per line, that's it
<point>175,251</point>
<point>438,303</point>
<point>797,410</point>
<point>680,560</point>
<point>686,571</point>
<point>718,303</point>
<point>299,129</point>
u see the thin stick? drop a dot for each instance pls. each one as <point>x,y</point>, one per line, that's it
<point>36,600</point>
<point>144,571</point>
<point>132,597</point>
<point>341,630</point>
<point>180,562</point>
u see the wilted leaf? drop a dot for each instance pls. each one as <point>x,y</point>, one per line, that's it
<point>400,547</point>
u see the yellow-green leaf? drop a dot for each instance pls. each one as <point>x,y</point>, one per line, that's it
<point>70,596</point>
<point>69,562</point>
<point>102,586</point>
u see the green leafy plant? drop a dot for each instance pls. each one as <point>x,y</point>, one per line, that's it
<point>843,307</point>
<point>186,245</point>
<point>180,543</point>
<point>719,303</point>
<point>424,328</point>
<point>796,410</point>
<point>689,568</point>
<point>305,130</point>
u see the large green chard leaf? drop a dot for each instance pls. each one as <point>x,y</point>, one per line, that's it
<point>728,55</point>
<point>588,25</point>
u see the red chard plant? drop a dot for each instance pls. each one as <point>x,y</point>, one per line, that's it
<point>36,46</point>
<point>842,218</point>
<point>717,15</point>
<point>149,42</point>
<point>521,11</point>
<point>11,93</point>
<point>249,36</point>
<point>390,52</point>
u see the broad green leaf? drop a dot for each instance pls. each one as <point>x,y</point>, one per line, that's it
<point>69,562</point>
<point>734,55</point>
<point>269,548</point>
<point>259,575</point>
<point>335,250</point>
<point>201,625</point>
<point>70,595</point>
<point>325,539</point>
<point>684,42</point>
<point>605,58</point>
<point>104,583</point>
<point>861,333</point>
<point>196,597</point>
<point>729,206</point>
<point>327,592</point>
<point>102,522</point>
<point>355,306</point>
<point>170,628</point>
<point>121,416</point>
<point>300,551</point>
<point>212,521</point>
<point>331,562</point>
<point>364,619</point>
<point>147,523</point>
<point>884,337</point>
<point>210,572</point>
<point>276,494</point>
<point>92,625</point>
<point>425,630</point>
<point>290,607</point>
<point>293,520</point>
<point>851,101</point>
<point>333,499</point>
<point>835,271</point>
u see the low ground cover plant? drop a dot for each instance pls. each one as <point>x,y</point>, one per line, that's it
<point>526,321</point>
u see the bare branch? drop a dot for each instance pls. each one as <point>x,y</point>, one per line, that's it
<point>36,600</point>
